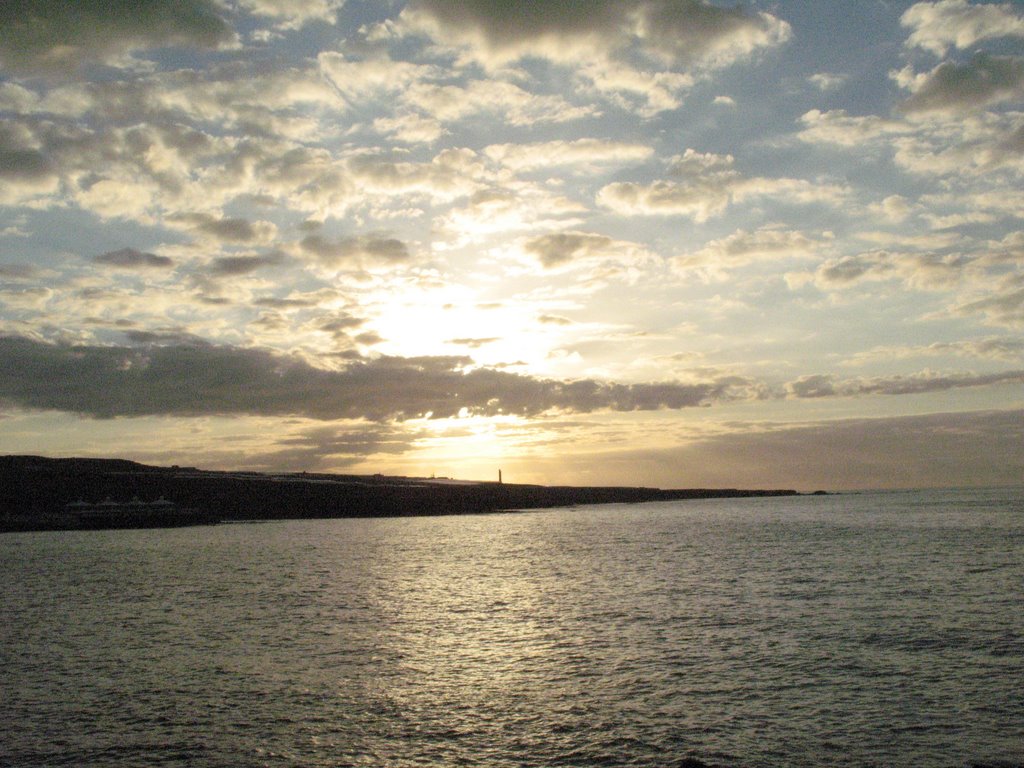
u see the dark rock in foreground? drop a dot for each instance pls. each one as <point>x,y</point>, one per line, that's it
<point>35,493</point>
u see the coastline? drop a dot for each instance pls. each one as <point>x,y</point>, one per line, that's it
<point>37,493</point>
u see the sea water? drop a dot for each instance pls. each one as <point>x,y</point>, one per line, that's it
<point>871,629</point>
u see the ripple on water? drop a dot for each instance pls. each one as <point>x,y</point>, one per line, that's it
<point>842,631</point>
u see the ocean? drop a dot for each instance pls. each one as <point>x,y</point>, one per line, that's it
<point>867,629</point>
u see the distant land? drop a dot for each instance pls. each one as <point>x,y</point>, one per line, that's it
<point>35,493</point>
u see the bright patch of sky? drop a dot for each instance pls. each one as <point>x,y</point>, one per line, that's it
<point>635,244</point>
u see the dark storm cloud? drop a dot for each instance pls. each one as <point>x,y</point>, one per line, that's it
<point>129,258</point>
<point>984,80</point>
<point>54,35</point>
<point>193,380</point>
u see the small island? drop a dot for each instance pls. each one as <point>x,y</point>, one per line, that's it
<point>38,493</point>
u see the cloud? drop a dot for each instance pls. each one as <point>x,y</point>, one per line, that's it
<point>585,154</point>
<point>677,33</point>
<point>355,251</point>
<point>19,271</point>
<point>497,209</point>
<point>424,98</point>
<point>950,87</point>
<point>554,320</point>
<point>838,127</point>
<point>129,258</point>
<point>927,271</point>
<point>816,386</point>
<point>331,448</point>
<point>474,343</point>
<point>937,26</point>
<point>47,36</point>
<point>224,229</point>
<point>606,257</point>
<point>743,247</point>
<point>699,201</point>
<point>1002,304</point>
<point>559,248</point>
<point>975,448</point>
<point>615,46</point>
<point>293,14</point>
<point>992,348</point>
<point>827,81</point>
<point>175,337</point>
<point>448,103</point>
<point>196,380</point>
<point>360,79</point>
<point>26,172</point>
<point>707,185</point>
<point>233,266</point>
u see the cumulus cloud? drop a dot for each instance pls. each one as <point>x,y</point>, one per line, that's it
<point>561,247</point>
<point>292,14</point>
<point>827,81</point>
<point>838,127</point>
<point>950,87</point>
<point>614,46</point>
<point>52,35</point>
<point>743,247</point>
<point>129,258</point>
<point>927,271</point>
<point>679,33</point>
<point>707,184</point>
<point>938,26</point>
<point>195,380</point>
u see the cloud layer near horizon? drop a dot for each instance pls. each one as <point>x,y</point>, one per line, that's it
<point>195,379</point>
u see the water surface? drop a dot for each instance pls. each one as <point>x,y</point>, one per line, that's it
<point>855,630</point>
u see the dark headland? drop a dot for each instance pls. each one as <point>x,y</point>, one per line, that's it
<point>35,494</point>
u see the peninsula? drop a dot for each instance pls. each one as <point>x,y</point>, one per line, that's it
<point>38,493</point>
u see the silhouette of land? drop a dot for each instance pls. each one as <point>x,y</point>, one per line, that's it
<point>39,493</point>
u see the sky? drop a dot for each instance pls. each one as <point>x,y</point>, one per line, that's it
<point>672,243</point>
